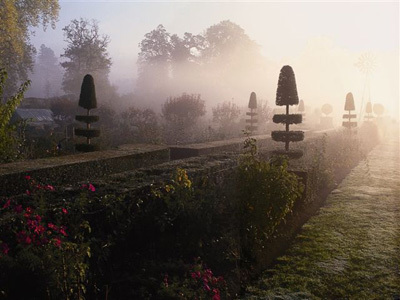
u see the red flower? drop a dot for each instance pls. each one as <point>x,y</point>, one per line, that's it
<point>216,297</point>
<point>52,226</point>
<point>28,192</point>
<point>7,204</point>
<point>64,210</point>
<point>39,229</point>
<point>27,177</point>
<point>62,231</point>
<point>57,242</point>
<point>91,187</point>
<point>49,187</point>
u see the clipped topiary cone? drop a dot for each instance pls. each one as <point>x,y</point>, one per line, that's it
<point>253,107</point>
<point>368,110</point>
<point>286,95</point>
<point>87,100</point>
<point>349,106</point>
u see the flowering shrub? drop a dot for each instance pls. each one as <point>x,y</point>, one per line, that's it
<point>198,283</point>
<point>35,240</point>
<point>24,225</point>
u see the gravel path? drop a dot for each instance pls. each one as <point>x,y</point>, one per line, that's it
<point>351,249</point>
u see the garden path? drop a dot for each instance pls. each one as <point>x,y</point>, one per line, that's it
<point>351,248</point>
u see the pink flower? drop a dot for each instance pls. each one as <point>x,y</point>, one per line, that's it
<point>216,297</point>
<point>38,218</point>
<point>91,187</point>
<point>28,211</point>
<point>7,204</point>
<point>27,177</point>
<point>52,226</point>
<point>39,229</point>
<point>62,231</point>
<point>28,192</point>
<point>207,287</point>
<point>64,210</point>
<point>49,187</point>
<point>193,274</point>
<point>57,242</point>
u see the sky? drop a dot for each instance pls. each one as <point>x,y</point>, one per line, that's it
<point>317,38</point>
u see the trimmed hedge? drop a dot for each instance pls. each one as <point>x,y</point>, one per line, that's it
<point>87,119</point>
<point>290,119</point>
<point>89,133</point>
<point>284,136</point>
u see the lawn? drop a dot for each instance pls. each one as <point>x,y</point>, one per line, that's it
<point>351,248</point>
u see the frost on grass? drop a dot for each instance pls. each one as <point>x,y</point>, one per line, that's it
<point>351,249</point>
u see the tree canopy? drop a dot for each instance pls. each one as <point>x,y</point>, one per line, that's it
<point>17,18</point>
<point>47,74</point>
<point>86,52</point>
<point>168,61</point>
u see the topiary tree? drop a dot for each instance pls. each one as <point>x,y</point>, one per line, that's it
<point>368,110</point>
<point>253,107</point>
<point>378,109</point>
<point>301,109</point>
<point>286,95</point>
<point>326,121</point>
<point>88,101</point>
<point>349,106</point>
<point>326,109</point>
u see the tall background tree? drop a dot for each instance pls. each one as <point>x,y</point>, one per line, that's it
<point>47,75</point>
<point>154,65</point>
<point>219,63</point>
<point>86,53</point>
<point>17,20</point>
